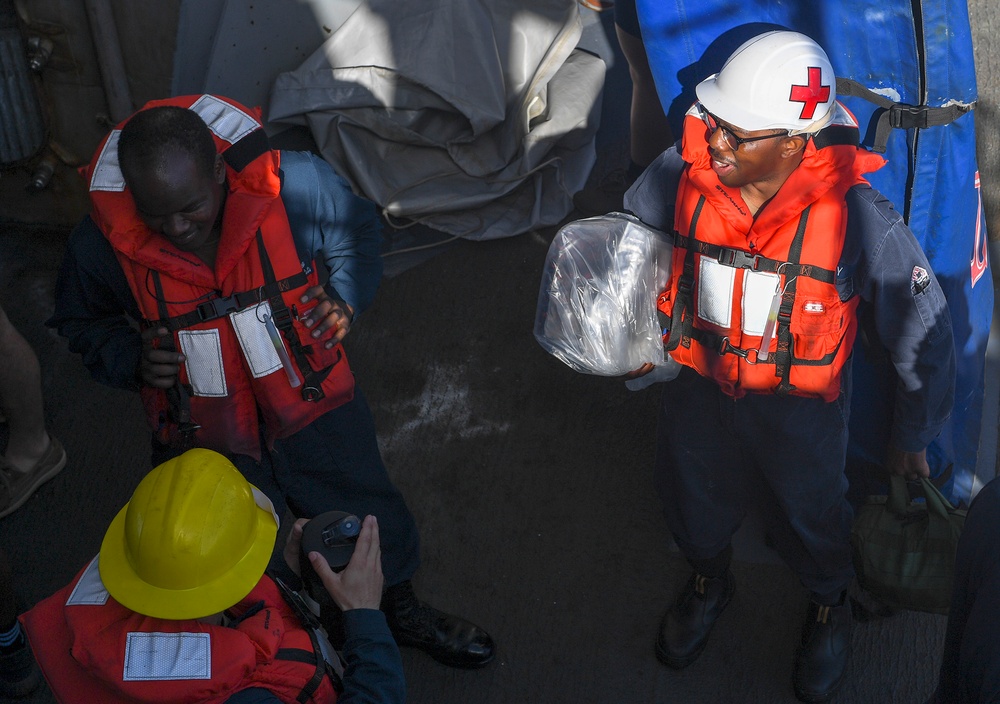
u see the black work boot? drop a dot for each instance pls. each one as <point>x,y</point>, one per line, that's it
<point>685,628</point>
<point>826,649</point>
<point>450,640</point>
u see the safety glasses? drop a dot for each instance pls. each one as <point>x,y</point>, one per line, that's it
<point>732,141</point>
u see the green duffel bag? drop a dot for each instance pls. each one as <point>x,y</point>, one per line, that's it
<point>904,551</point>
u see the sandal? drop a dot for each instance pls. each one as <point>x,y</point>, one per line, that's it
<point>16,487</point>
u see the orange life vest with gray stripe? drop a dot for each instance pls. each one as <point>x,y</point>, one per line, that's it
<point>752,302</point>
<point>92,649</point>
<point>238,326</point>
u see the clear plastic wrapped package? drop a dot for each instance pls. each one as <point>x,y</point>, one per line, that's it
<point>597,300</point>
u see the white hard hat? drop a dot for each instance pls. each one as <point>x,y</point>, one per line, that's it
<point>777,80</point>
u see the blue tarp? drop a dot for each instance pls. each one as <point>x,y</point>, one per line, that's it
<point>919,53</point>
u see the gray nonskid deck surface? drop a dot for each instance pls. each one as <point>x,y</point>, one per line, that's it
<point>530,482</point>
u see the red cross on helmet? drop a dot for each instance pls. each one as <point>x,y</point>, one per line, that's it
<point>777,80</point>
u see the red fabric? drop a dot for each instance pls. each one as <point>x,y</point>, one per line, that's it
<point>228,424</point>
<point>820,182</point>
<point>81,651</point>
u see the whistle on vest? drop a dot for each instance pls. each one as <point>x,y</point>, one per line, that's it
<point>279,347</point>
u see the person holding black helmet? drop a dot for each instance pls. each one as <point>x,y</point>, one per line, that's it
<point>176,606</point>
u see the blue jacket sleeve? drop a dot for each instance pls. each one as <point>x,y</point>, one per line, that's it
<point>911,316</point>
<point>653,195</point>
<point>95,310</point>
<point>334,227</point>
<point>374,672</point>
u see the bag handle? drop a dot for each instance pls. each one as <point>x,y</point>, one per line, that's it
<point>899,498</point>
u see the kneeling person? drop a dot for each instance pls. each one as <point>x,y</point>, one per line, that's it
<point>177,608</point>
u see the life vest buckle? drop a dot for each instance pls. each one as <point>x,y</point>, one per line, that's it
<point>725,348</point>
<point>216,308</point>
<point>739,259</point>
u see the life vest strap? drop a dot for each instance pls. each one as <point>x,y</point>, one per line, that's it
<point>311,624</point>
<point>221,306</point>
<point>312,389</point>
<point>178,395</point>
<point>243,152</point>
<point>306,658</point>
<point>783,350</point>
<point>741,259</point>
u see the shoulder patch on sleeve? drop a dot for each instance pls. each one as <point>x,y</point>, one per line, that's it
<point>919,280</point>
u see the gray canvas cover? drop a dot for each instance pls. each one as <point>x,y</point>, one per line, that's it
<point>474,117</point>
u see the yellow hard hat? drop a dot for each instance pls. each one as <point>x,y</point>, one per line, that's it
<point>194,539</point>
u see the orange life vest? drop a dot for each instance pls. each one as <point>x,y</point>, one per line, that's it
<point>92,649</point>
<point>233,363</point>
<point>731,272</point>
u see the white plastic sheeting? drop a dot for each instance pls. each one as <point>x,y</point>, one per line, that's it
<point>476,118</point>
<point>597,299</point>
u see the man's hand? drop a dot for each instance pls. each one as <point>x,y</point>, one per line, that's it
<point>328,315</point>
<point>359,586</point>
<point>158,368</point>
<point>641,371</point>
<point>910,465</point>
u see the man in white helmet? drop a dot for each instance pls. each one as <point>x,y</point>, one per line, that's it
<point>176,606</point>
<point>778,239</point>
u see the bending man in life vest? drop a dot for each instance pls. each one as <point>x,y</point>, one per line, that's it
<point>176,606</point>
<point>213,244</point>
<point>779,245</point>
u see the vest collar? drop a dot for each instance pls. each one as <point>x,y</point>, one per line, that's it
<point>253,182</point>
<point>834,168</point>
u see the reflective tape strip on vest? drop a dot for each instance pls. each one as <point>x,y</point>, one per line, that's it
<point>234,364</point>
<point>731,271</point>
<point>92,649</point>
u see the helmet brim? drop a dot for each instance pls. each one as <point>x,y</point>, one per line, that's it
<point>718,104</point>
<point>130,590</point>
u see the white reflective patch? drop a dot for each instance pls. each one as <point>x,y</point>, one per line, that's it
<point>813,307</point>
<point>257,345</point>
<point>107,174</point>
<point>715,292</point>
<point>203,352</point>
<point>758,290</point>
<point>327,651</point>
<point>260,498</point>
<point>842,117</point>
<point>167,656</point>
<point>89,591</point>
<point>226,121</point>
